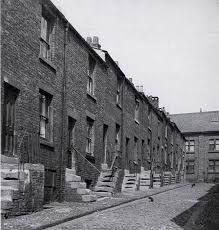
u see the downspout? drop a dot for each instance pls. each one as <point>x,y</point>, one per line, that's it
<point>63,111</point>
<point>122,124</point>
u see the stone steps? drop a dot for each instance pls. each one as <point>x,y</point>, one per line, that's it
<point>129,184</point>
<point>76,189</point>
<point>106,183</point>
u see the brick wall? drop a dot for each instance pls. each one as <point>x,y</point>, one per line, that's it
<point>23,69</point>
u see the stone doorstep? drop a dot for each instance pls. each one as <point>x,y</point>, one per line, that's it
<point>77,184</point>
<point>9,160</point>
<point>72,178</point>
<point>89,198</point>
<point>6,202</point>
<point>14,173</point>
<point>83,191</point>
<point>145,188</point>
<point>106,183</point>
<point>9,166</point>
<point>15,184</point>
<point>103,188</point>
<point>7,190</point>
<point>103,194</point>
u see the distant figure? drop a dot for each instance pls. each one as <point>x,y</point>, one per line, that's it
<point>151,199</point>
<point>193,185</point>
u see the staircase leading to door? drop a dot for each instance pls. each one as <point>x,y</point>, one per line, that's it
<point>75,189</point>
<point>130,182</point>
<point>12,184</point>
<point>106,183</point>
<point>145,180</point>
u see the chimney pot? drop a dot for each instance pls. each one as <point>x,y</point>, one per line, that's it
<point>130,79</point>
<point>89,40</point>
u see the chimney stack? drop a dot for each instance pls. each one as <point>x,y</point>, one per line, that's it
<point>95,42</point>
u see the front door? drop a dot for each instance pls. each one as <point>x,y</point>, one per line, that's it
<point>71,136</point>
<point>8,126</point>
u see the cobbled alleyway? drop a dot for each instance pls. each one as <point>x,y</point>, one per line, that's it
<point>165,212</point>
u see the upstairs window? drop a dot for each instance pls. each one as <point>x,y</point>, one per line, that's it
<point>214,145</point>
<point>149,116</point>
<point>46,116</point>
<point>47,36</point>
<point>119,92</point>
<point>117,139</point>
<point>190,146</point>
<point>90,80</point>
<point>90,137</point>
<point>137,105</point>
<point>166,131</point>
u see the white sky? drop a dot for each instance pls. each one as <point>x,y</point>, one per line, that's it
<point>169,46</point>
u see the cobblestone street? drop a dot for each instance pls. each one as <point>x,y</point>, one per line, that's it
<point>164,213</point>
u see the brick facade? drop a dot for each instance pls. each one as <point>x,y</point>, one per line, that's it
<point>204,129</point>
<point>64,80</point>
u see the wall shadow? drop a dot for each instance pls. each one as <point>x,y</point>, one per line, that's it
<point>204,215</point>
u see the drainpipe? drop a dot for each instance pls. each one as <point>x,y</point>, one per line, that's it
<point>63,128</point>
<point>122,122</point>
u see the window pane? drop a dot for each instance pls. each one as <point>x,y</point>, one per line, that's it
<point>192,143</point>
<point>192,148</point>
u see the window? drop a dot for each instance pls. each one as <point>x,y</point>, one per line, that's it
<point>119,92</point>
<point>149,115</point>
<point>190,167</point>
<point>213,145</point>
<point>159,129</point>
<point>166,131</point>
<point>8,125</point>
<point>90,137</point>
<point>46,116</point>
<point>47,36</point>
<point>117,139</point>
<point>90,81</point>
<point>213,166</point>
<point>137,104</point>
<point>190,146</point>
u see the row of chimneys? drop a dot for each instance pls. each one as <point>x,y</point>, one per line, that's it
<point>94,42</point>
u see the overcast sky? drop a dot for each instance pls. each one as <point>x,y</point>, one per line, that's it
<point>169,46</point>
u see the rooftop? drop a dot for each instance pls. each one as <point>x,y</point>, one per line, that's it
<point>197,122</point>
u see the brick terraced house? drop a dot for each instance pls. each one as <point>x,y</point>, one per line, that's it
<point>74,127</point>
<point>201,131</point>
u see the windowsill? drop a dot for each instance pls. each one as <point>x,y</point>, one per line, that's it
<point>48,63</point>
<point>190,173</point>
<point>190,152</point>
<point>213,172</point>
<point>90,158</point>
<point>92,97</point>
<point>118,105</point>
<point>136,121</point>
<point>213,151</point>
<point>46,143</point>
